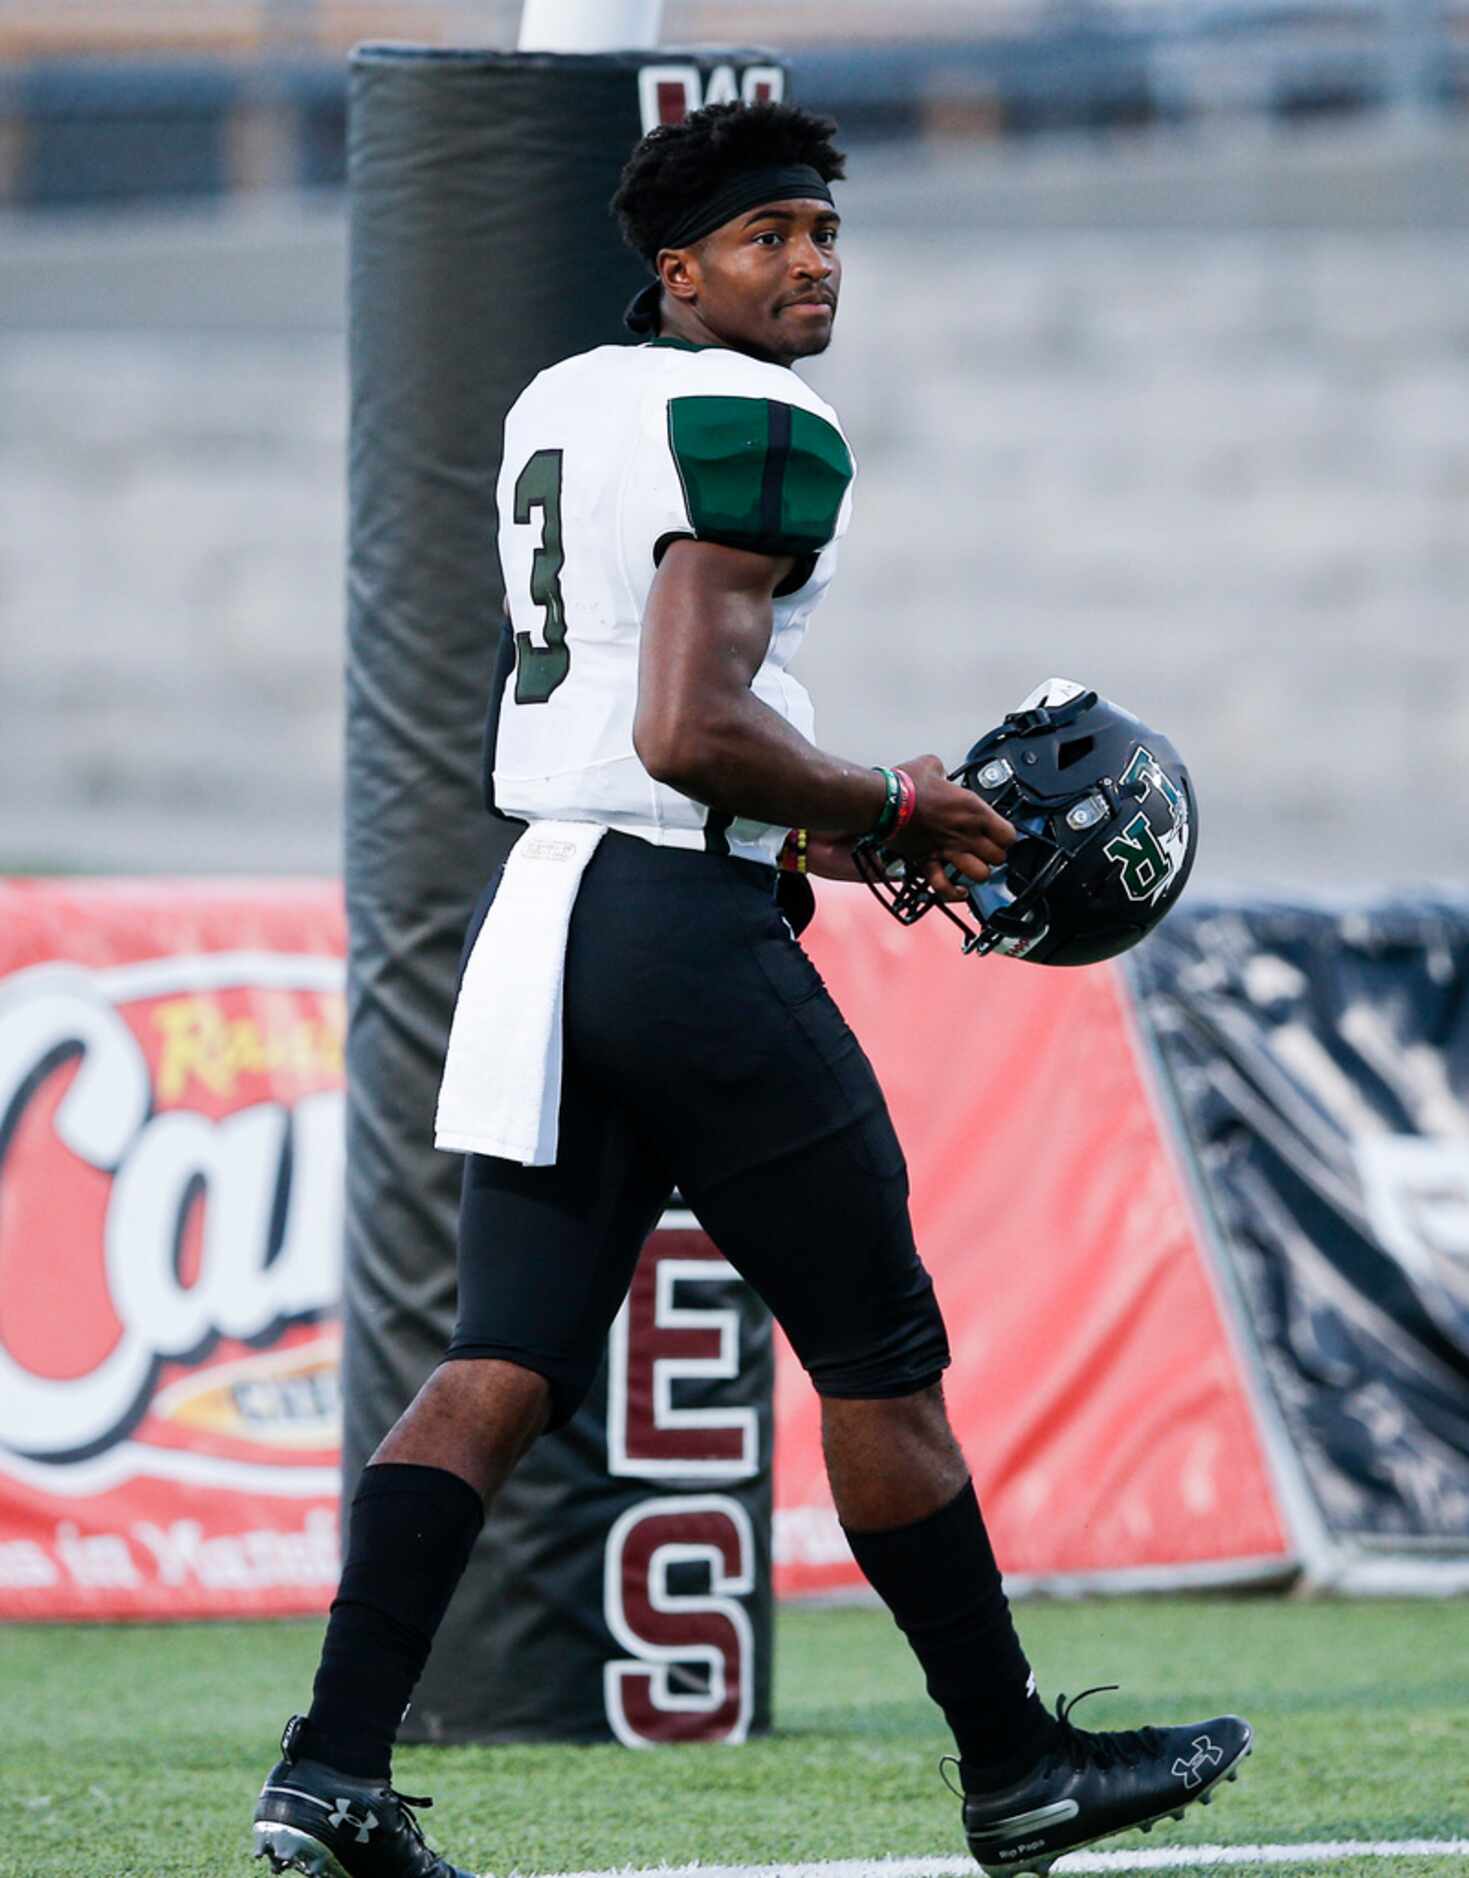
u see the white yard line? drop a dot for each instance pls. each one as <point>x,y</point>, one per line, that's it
<point>1155,1858</point>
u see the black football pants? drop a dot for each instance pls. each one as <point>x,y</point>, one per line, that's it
<point>702,1051</point>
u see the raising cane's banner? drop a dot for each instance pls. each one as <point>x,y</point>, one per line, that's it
<point>170,1181</point>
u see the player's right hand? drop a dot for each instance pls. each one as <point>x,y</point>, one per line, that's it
<point>950,827</point>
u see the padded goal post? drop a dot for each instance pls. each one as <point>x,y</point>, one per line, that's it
<point>482,251</point>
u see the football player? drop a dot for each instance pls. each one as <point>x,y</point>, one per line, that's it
<point>670,515</point>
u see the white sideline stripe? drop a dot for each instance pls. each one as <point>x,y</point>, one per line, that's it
<point>1155,1858</point>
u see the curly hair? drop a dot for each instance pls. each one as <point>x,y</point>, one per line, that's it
<point>676,164</point>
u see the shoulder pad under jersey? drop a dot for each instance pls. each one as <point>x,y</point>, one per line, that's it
<point>758,473</point>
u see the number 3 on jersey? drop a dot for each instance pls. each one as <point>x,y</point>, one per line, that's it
<point>540,669</point>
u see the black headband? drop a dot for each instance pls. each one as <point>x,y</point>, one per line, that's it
<point>749,190</point>
<point>746,191</point>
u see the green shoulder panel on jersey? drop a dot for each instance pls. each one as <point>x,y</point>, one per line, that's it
<point>759,474</point>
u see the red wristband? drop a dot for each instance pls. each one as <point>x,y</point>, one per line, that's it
<point>907,801</point>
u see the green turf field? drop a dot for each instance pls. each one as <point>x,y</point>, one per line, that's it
<point>138,1751</point>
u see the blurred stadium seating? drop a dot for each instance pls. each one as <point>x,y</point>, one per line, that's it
<point>1190,417</point>
<point>222,95</point>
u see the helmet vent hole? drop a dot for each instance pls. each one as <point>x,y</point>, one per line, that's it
<point>1074,751</point>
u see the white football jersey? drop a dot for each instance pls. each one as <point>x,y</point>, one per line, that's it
<point>609,457</point>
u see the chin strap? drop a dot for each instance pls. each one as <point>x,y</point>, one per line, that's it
<point>642,313</point>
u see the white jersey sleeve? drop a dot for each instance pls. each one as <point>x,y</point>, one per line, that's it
<point>609,458</point>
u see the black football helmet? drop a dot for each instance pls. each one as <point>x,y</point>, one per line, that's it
<point>1108,829</point>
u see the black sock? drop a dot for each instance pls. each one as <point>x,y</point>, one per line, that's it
<point>412,1530</point>
<point>939,1579</point>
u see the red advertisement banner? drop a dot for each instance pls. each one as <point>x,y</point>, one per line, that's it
<point>170,1180</point>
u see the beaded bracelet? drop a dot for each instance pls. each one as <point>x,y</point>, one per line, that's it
<point>792,856</point>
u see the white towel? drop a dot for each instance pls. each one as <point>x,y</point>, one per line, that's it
<point>501,1091</point>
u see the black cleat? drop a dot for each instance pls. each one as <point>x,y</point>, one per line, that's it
<point>1088,1786</point>
<point>312,1819</point>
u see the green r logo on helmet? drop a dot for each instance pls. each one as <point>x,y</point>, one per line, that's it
<point>1145,867</point>
<point>1148,863</point>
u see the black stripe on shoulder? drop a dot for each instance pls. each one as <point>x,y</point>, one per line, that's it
<point>777,453</point>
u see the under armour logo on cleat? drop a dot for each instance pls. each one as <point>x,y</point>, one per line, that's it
<point>344,1816</point>
<point>1205,1754</point>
